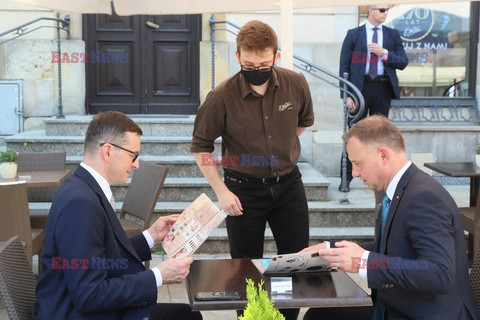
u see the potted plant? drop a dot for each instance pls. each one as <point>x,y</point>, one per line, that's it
<point>259,305</point>
<point>477,155</point>
<point>8,164</point>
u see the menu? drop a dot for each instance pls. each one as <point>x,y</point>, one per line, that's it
<point>193,227</point>
<point>301,262</point>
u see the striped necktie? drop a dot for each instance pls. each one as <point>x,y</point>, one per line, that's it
<point>373,71</point>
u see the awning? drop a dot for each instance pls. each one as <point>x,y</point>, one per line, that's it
<point>162,7</point>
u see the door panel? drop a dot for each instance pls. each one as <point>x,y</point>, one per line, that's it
<point>173,53</point>
<point>135,68</point>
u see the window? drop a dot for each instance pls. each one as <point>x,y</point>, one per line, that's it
<point>436,38</point>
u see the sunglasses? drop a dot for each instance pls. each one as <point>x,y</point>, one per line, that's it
<point>135,154</point>
<point>382,10</point>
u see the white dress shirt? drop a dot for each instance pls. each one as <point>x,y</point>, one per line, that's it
<point>369,29</point>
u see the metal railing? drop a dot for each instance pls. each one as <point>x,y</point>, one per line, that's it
<point>61,24</point>
<point>346,87</point>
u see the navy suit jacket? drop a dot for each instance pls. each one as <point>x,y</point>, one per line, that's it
<point>420,269</point>
<point>91,270</point>
<point>354,55</point>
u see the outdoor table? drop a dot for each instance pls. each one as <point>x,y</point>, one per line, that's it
<point>321,289</point>
<point>38,179</point>
<point>460,169</point>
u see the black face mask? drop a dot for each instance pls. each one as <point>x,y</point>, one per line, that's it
<point>256,77</point>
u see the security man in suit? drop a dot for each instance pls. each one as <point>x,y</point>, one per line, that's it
<point>370,55</point>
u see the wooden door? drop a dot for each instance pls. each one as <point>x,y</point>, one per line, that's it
<point>142,64</point>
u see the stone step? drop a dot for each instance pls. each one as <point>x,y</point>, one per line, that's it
<point>152,125</point>
<point>217,242</point>
<point>188,189</point>
<point>322,214</point>
<point>185,181</point>
<point>38,141</point>
<point>180,166</point>
<point>326,223</point>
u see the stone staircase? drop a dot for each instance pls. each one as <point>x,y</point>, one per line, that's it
<point>166,141</point>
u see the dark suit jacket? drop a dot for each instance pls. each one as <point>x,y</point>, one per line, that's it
<point>354,56</point>
<point>421,270</point>
<point>112,283</point>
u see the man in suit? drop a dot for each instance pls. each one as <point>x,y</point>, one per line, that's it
<point>370,55</point>
<point>91,270</point>
<point>417,266</point>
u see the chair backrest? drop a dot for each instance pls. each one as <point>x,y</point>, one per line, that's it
<point>475,279</point>
<point>17,281</point>
<point>143,192</point>
<point>42,161</point>
<point>14,214</point>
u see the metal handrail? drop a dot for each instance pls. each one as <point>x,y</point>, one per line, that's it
<point>61,24</point>
<point>21,29</point>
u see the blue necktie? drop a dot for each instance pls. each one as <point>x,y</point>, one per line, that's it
<point>379,312</point>
<point>373,71</point>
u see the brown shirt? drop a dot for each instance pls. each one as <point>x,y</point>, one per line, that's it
<point>258,132</point>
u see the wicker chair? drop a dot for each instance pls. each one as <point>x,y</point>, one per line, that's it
<point>17,281</point>
<point>15,218</point>
<point>475,279</point>
<point>141,197</point>
<point>41,162</point>
<point>471,222</point>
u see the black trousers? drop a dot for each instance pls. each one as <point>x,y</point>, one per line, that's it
<point>173,311</point>
<point>283,205</point>
<point>378,97</point>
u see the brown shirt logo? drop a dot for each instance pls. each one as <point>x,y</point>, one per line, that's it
<point>285,106</point>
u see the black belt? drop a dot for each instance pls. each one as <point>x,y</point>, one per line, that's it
<point>377,79</point>
<point>271,180</point>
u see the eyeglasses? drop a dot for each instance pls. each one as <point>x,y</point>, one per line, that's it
<point>135,154</point>
<point>261,69</point>
<point>381,10</point>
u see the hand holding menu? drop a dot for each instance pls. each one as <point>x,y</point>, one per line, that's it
<point>193,227</point>
<point>300,262</point>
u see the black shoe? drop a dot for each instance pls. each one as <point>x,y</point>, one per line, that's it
<point>344,187</point>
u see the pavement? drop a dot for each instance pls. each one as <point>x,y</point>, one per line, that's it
<point>359,195</point>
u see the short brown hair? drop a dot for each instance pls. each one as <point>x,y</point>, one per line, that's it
<point>109,126</point>
<point>376,130</point>
<point>257,36</point>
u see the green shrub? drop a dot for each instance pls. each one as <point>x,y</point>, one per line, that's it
<point>8,156</point>
<point>259,306</point>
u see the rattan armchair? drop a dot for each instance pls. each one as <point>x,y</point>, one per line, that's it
<point>15,218</point>
<point>141,197</point>
<point>40,161</point>
<point>471,222</point>
<point>475,279</point>
<point>17,281</point>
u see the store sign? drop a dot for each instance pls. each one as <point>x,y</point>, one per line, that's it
<point>423,29</point>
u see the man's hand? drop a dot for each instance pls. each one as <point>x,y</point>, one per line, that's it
<point>229,202</point>
<point>351,105</point>
<point>377,49</point>
<point>343,255</point>
<point>175,270</point>
<point>160,228</point>
<point>315,247</point>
